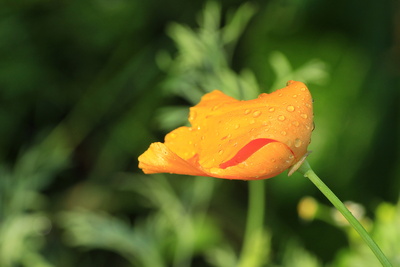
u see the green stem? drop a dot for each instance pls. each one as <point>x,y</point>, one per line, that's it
<point>306,170</point>
<point>250,255</point>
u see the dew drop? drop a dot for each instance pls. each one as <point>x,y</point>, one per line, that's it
<point>247,111</point>
<point>281,118</point>
<point>283,133</point>
<point>290,108</point>
<point>302,89</point>
<point>252,121</point>
<point>237,126</point>
<point>271,109</point>
<point>172,135</point>
<point>220,151</point>
<point>190,142</point>
<point>203,137</point>
<point>256,113</point>
<point>294,96</point>
<point>215,107</point>
<point>304,116</point>
<point>226,137</point>
<point>193,116</point>
<point>295,123</point>
<point>297,142</point>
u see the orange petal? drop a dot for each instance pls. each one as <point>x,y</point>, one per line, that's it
<point>183,141</point>
<point>160,159</point>
<point>222,140</point>
<point>246,151</point>
<point>269,161</point>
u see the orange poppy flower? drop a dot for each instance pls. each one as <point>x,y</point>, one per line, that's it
<point>233,139</point>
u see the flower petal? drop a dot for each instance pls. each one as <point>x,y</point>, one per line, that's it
<point>235,139</point>
<point>183,141</point>
<point>246,151</point>
<point>269,161</point>
<point>159,158</point>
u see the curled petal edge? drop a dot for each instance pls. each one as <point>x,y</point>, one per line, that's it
<point>259,159</point>
<point>159,158</point>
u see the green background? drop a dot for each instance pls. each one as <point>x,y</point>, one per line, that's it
<point>86,86</point>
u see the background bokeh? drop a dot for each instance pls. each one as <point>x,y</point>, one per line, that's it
<point>86,86</point>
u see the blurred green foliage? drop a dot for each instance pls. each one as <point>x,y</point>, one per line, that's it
<point>86,86</point>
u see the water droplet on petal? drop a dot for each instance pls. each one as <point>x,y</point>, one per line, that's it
<point>294,96</point>
<point>271,109</point>
<point>237,126</point>
<point>172,135</point>
<point>290,108</point>
<point>283,133</point>
<point>247,111</point>
<point>297,142</point>
<point>227,136</point>
<point>252,121</point>
<point>295,123</point>
<point>215,107</point>
<point>193,115</point>
<point>281,118</point>
<point>256,113</point>
<point>304,116</point>
<point>302,89</point>
<point>220,151</point>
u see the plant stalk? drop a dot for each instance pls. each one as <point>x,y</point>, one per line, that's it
<point>306,170</point>
<point>254,249</point>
